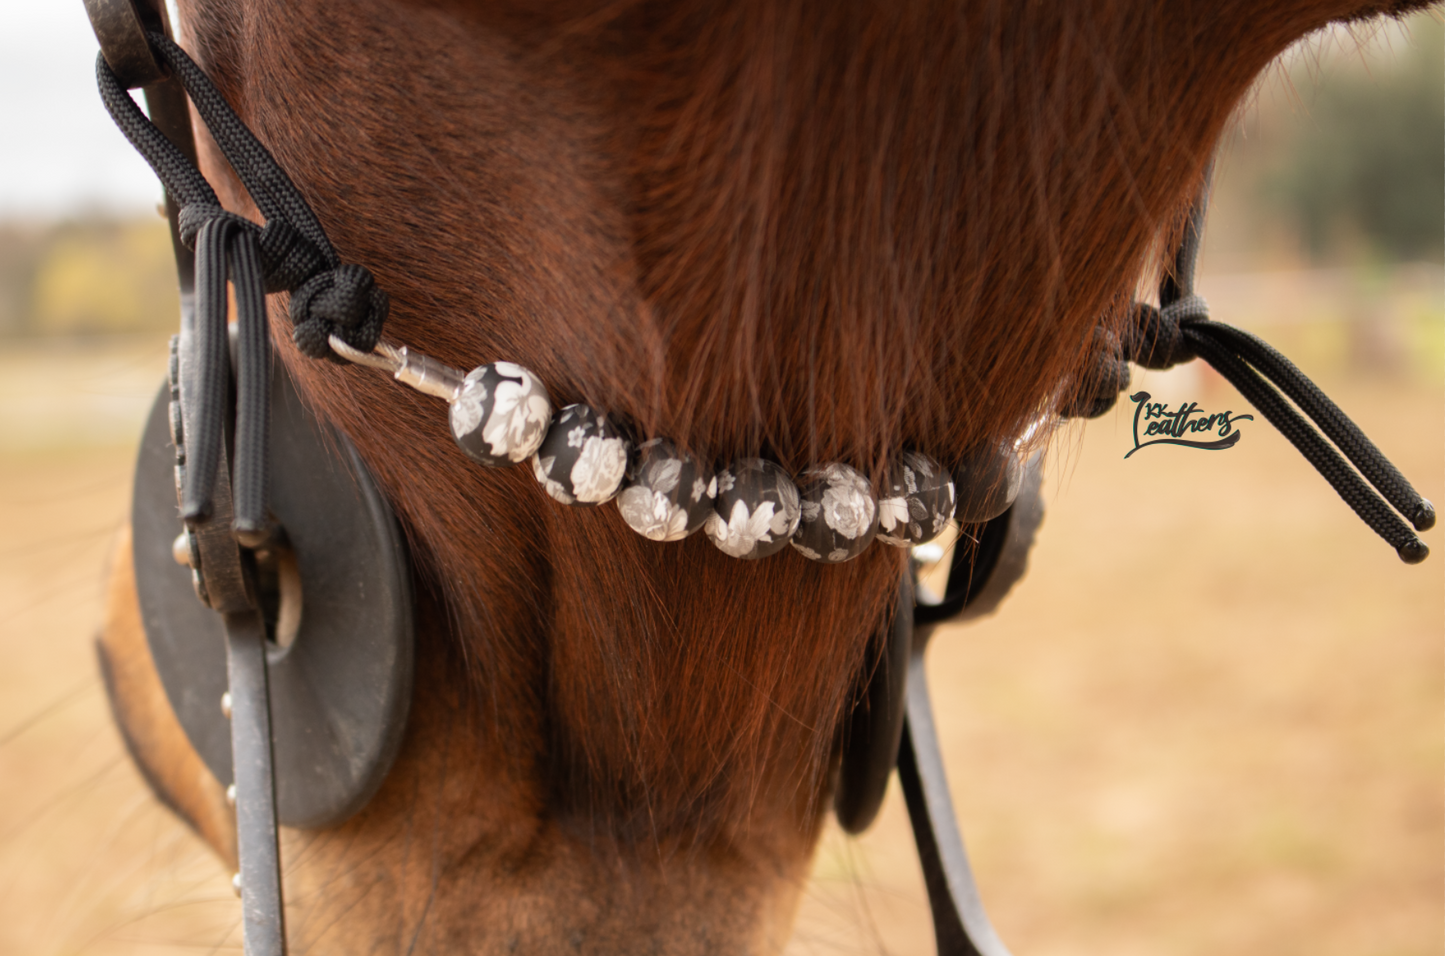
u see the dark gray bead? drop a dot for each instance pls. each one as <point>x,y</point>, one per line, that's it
<point>919,500</point>
<point>839,514</point>
<point>668,494</point>
<point>583,459</point>
<point>987,481</point>
<point>756,511</point>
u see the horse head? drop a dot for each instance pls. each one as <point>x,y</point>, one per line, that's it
<point>812,231</point>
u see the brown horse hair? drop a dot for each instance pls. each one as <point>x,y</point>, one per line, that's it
<point>812,230</point>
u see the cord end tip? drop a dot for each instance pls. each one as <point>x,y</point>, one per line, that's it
<point>195,513</point>
<point>1424,517</point>
<point>1413,551</point>
<point>251,534</point>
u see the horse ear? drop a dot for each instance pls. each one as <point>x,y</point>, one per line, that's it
<point>333,582</point>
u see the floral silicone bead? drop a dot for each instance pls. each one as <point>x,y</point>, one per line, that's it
<point>839,514</point>
<point>583,459</point>
<point>667,495</point>
<point>919,500</point>
<point>500,415</point>
<point>757,509</point>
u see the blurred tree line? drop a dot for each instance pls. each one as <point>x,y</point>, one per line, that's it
<point>87,277</point>
<point>1339,158</point>
<point>1368,167</point>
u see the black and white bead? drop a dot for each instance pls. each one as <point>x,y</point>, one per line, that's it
<point>757,509</point>
<point>500,414</point>
<point>988,480</point>
<point>583,459</point>
<point>917,503</point>
<point>668,494</point>
<point>839,514</point>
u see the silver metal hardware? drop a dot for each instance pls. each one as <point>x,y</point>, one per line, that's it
<point>181,549</point>
<point>930,552</point>
<point>236,884</point>
<point>226,707</point>
<point>426,374</point>
<point>231,795</point>
<point>384,356</point>
<point>421,372</point>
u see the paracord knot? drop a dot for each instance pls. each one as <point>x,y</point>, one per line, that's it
<point>343,301</point>
<point>1156,340</point>
<point>1106,376</point>
<point>1185,309</point>
<point>288,258</point>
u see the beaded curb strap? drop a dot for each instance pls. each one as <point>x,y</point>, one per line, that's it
<point>501,414</point>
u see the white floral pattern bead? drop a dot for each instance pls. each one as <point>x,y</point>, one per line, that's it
<point>501,414</point>
<point>757,509</point>
<point>919,500</point>
<point>583,458</point>
<point>839,515</point>
<point>667,495</point>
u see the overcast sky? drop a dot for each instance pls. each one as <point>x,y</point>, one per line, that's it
<point>59,152</point>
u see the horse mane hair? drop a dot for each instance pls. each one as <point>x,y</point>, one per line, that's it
<point>811,230</point>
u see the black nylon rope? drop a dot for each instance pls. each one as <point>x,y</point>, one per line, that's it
<point>1181,330</point>
<point>330,298</point>
<point>275,195</point>
<point>1346,482</point>
<point>253,389</point>
<point>181,179</point>
<point>1336,425</point>
<point>205,368</point>
<point>290,253</point>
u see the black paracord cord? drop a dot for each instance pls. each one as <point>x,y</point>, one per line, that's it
<point>1336,425</point>
<point>1350,486</point>
<point>253,388</point>
<point>205,372</point>
<point>290,253</point>
<point>1180,330</point>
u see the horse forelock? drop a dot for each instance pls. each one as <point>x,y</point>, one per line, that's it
<point>820,231</point>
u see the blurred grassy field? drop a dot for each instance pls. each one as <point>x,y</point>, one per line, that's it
<point>1209,720</point>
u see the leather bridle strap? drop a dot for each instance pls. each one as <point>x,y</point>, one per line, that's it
<point>121,26</point>
<point>263,928</point>
<point>960,925</point>
<point>980,577</point>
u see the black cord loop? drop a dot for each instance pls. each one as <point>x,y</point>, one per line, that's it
<point>1181,330</point>
<point>290,253</point>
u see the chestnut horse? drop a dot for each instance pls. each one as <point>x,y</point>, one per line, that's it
<point>816,230</point>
